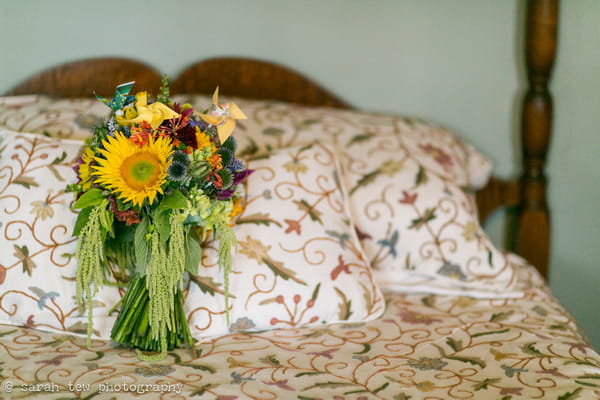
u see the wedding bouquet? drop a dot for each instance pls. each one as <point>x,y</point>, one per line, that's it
<point>154,182</point>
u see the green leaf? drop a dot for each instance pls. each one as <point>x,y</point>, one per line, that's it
<point>484,383</point>
<point>589,376</point>
<point>315,292</point>
<point>345,306</point>
<point>26,181</point>
<point>360,138</point>
<point>174,201</point>
<point>501,316</point>
<point>421,176</point>
<point>328,385</point>
<point>202,390</point>
<point>199,367</point>
<point>92,197</point>
<point>382,387</point>
<point>470,360</point>
<point>208,285</point>
<point>490,333</point>
<point>279,270</point>
<point>570,395</point>
<point>366,180</point>
<point>193,252</point>
<point>429,301</point>
<point>54,171</point>
<point>314,214</point>
<point>22,253</point>
<point>455,345</point>
<point>270,360</point>
<point>586,383</point>
<point>539,310</point>
<point>162,224</point>
<point>106,220</point>
<point>273,131</point>
<point>365,350</point>
<point>60,159</point>
<point>7,333</point>
<point>99,355</point>
<point>257,219</point>
<point>421,221</point>
<point>141,248</point>
<point>309,373</point>
<point>529,349</point>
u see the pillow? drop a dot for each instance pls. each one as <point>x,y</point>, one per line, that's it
<point>299,260</point>
<point>37,270</point>
<point>421,232</point>
<point>273,125</point>
<point>60,118</point>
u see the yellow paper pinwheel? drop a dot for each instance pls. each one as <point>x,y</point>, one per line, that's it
<point>223,116</point>
<point>154,113</point>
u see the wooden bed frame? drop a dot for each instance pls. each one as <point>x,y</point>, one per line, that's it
<point>263,80</point>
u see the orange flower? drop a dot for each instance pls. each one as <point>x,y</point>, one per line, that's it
<point>215,161</point>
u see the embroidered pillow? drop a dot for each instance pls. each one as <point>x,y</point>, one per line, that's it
<point>299,261</point>
<point>421,232</point>
<point>37,270</point>
<point>274,125</point>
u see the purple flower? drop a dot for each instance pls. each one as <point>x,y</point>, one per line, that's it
<point>224,194</point>
<point>239,177</point>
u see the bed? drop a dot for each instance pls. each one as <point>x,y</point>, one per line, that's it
<point>436,310</point>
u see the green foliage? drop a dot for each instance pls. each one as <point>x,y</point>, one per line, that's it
<point>193,252</point>
<point>91,198</point>
<point>141,247</point>
<point>91,256</point>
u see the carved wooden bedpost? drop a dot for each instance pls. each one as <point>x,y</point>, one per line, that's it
<point>533,236</point>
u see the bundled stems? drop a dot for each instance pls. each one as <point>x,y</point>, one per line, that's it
<point>132,327</point>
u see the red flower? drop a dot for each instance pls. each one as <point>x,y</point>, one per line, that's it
<point>30,323</point>
<point>341,267</point>
<point>293,226</point>
<point>408,198</point>
<point>439,155</point>
<point>141,135</point>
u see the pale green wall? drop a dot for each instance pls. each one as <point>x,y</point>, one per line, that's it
<point>455,62</point>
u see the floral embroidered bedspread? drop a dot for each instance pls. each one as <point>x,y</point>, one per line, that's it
<point>424,346</point>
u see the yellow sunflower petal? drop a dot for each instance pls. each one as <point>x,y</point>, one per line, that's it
<point>131,172</point>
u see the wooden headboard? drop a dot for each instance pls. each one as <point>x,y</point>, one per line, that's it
<point>263,80</point>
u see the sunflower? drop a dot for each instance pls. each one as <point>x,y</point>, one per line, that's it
<point>133,173</point>
<point>83,168</point>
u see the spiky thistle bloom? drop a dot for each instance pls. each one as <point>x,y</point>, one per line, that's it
<point>131,172</point>
<point>177,171</point>
<point>180,157</point>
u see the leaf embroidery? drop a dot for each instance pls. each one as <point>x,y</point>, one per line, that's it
<point>360,138</point>
<point>22,253</point>
<point>345,306</point>
<point>314,214</point>
<point>257,219</point>
<point>390,243</point>
<point>26,181</point>
<point>421,221</point>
